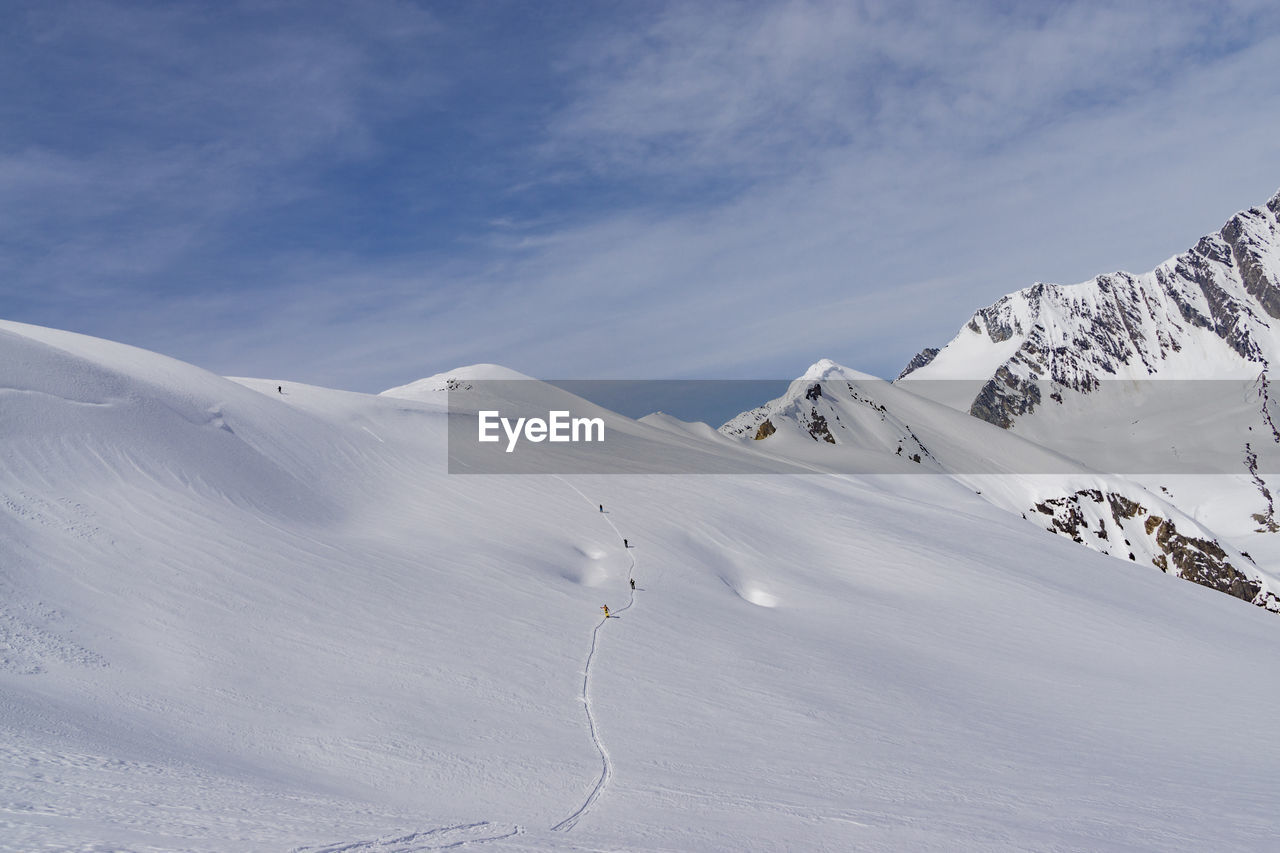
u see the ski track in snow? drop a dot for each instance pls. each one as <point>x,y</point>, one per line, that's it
<point>449,837</point>
<point>606,765</point>
<point>443,838</point>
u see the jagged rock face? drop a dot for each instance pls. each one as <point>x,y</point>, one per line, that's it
<point>921,358</point>
<point>818,427</point>
<point>1247,234</point>
<point>1266,520</point>
<point>1112,523</point>
<point>1004,398</point>
<point>1125,326</point>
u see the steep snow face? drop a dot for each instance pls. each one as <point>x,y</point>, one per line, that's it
<point>298,632</point>
<point>839,419</point>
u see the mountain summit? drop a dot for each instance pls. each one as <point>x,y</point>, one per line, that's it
<point>1210,312</point>
<point>1066,367</point>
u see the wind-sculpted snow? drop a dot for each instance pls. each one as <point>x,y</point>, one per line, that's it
<point>260,616</point>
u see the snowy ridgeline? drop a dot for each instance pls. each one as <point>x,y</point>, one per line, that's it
<point>844,420</point>
<point>1165,375</point>
<point>258,616</point>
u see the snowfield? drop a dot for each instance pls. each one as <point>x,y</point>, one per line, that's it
<point>234,619</point>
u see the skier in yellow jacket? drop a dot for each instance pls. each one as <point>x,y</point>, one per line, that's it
<point>605,608</point>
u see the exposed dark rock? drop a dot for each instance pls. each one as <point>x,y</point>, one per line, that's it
<point>1226,315</point>
<point>1213,249</point>
<point>998,328</point>
<point>1199,560</point>
<point>1264,391</point>
<point>1204,562</point>
<point>1266,520</point>
<point>766,429</point>
<point>1122,508</point>
<point>1260,284</point>
<point>1004,398</point>
<point>818,427</point>
<point>1266,523</point>
<point>920,359</point>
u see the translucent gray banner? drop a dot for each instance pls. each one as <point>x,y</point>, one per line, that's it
<point>853,424</point>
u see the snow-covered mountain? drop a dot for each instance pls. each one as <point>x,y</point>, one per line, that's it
<point>844,420</point>
<point>1212,312</point>
<point>1163,376</point>
<point>254,615</point>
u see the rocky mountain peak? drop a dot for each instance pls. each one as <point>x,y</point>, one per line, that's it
<point>1220,299</point>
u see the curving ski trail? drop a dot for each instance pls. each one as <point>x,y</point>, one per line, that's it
<point>441,838</point>
<point>606,765</point>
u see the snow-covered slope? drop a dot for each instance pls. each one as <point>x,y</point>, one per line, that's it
<point>838,419</point>
<point>236,618</point>
<point>429,388</point>
<point>1163,376</point>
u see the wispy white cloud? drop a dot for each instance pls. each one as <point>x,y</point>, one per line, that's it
<point>763,86</point>
<point>145,128</point>
<point>693,191</point>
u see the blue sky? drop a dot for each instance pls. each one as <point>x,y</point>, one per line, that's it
<point>360,194</point>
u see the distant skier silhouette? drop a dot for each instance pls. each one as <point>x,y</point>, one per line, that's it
<point>605,608</point>
<point>624,544</point>
<point>633,584</point>
<point>280,388</point>
<point>602,507</point>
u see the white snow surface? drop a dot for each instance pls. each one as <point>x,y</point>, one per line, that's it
<point>235,619</point>
<point>838,420</point>
<point>825,368</point>
<point>429,388</point>
<point>1160,376</point>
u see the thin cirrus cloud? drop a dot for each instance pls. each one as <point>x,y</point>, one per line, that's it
<point>678,191</point>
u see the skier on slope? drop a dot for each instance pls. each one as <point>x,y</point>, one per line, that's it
<point>633,584</point>
<point>602,507</point>
<point>605,608</point>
